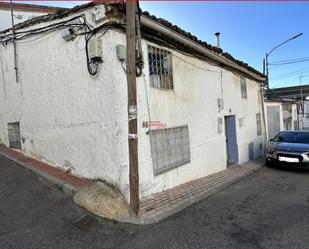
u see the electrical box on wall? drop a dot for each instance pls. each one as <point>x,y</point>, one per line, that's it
<point>121,52</point>
<point>67,35</point>
<point>241,122</point>
<point>220,104</point>
<point>95,49</point>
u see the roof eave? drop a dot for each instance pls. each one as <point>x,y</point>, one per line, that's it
<point>157,26</point>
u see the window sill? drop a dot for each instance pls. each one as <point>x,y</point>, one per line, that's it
<point>174,166</point>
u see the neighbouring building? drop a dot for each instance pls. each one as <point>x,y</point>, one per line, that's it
<point>305,114</point>
<point>298,95</point>
<point>280,115</point>
<point>22,12</point>
<point>199,109</point>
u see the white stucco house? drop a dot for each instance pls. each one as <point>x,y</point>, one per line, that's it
<point>199,109</point>
<point>22,12</point>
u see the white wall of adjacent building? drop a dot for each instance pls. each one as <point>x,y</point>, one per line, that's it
<point>19,16</point>
<point>286,118</point>
<point>71,120</point>
<point>305,116</point>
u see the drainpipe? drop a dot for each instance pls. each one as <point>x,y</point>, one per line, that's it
<point>264,118</point>
<point>149,23</point>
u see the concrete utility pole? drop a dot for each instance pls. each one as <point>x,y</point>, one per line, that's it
<point>132,105</point>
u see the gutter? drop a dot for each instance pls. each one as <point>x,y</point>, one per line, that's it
<point>149,23</point>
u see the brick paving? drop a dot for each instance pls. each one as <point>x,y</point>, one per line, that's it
<point>45,169</point>
<point>161,205</point>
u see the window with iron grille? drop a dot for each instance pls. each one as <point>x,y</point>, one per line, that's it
<point>243,87</point>
<point>160,68</point>
<point>258,124</point>
<point>170,148</point>
<point>14,135</point>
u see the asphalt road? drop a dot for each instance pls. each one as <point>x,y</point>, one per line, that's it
<point>267,209</point>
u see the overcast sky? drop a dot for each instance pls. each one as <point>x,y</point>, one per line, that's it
<point>248,30</point>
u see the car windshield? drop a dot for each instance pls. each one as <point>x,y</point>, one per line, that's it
<point>293,137</point>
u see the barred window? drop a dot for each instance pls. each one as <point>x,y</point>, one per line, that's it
<point>243,87</point>
<point>160,68</point>
<point>14,135</point>
<point>170,148</point>
<point>258,124</point>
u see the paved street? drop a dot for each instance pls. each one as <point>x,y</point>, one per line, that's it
<point>267,209</point>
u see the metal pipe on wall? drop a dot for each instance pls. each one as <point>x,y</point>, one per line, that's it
<point>14,43</point>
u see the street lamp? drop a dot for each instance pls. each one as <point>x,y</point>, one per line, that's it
<point>267,54</point>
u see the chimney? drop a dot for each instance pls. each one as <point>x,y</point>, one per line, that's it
<point>218,39</point>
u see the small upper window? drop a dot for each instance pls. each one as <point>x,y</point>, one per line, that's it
<point>243,87</point>
<point>160,68</point>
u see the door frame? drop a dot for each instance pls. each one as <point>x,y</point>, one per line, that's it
<point>228,161</point>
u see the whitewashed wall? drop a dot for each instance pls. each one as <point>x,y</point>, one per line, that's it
<point>197,86</point>
<point>282,114</point>
<point>67,118</point>
<point>294,117</point>
<point>73,121</point>
<point>19,16</point>
<point>305,117</point>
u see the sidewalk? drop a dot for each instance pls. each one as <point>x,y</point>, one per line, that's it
<point>67,182</point>
<point>153,208</point>
<point>161,205</point>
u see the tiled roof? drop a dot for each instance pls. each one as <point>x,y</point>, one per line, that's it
<point>203,43</point>
<point>61,13</point>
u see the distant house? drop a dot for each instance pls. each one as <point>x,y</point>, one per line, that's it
<point>199,109</point>
<point>281,115</point>
<point>21,12</point>
<point>296,96</point>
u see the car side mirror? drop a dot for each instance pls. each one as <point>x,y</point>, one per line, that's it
<point>270,140</point>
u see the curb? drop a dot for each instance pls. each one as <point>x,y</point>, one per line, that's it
<point>67,188</point>
<point>257,164</point>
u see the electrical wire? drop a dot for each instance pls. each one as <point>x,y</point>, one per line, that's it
<point>93,65</point>
<point>291,61</point>
<point>147,102</point>
<point>290,74</point>
<point>55,26</point>
<point>139,58</point>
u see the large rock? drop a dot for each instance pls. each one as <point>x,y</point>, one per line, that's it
<point>102,200</point>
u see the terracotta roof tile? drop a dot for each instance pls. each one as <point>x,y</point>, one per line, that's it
<point>61,13</point>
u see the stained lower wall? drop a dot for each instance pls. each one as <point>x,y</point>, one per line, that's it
<point>74,121</point>
<point>67,118</point>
